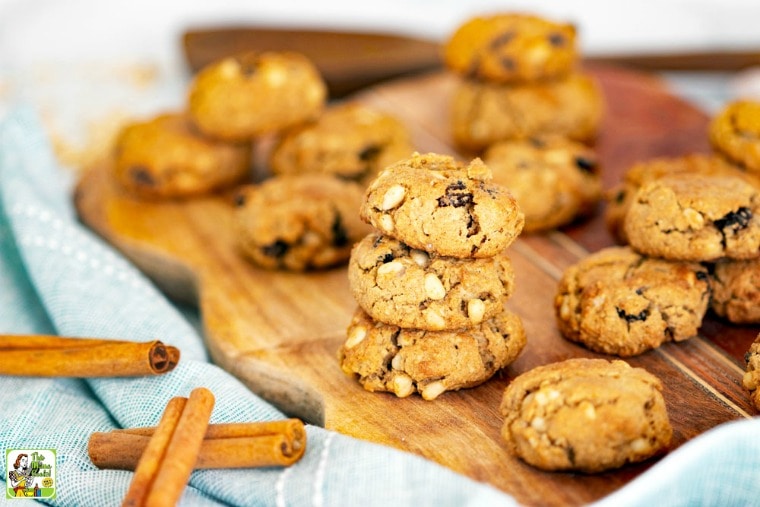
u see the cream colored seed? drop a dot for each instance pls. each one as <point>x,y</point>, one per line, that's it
<point>420,257</point>
<point>434,319</point>
<point>397,363</point>
<point>639,445</point>
<point>402,386</point>
<point>393,197</point>
<point>541,398</point>
<point>432,390</point>
<point>434,288</point>
<point>386,223</point>
<point>588,409</point>
<point>694,218</point>
<point>391,268</point>
<point>476,310</point>
<point>356,336</point>
<point>538,424</point>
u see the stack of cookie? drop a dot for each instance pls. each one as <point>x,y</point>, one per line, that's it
<point>691,229</point>
<point>432,280</point>
<point>520,100</point>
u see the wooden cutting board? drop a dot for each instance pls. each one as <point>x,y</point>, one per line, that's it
<point>279,332</point>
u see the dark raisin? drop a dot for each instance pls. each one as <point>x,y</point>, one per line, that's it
<point>507,63</point>
<point>536,142</point>
<point>141,175</point>
<point>339,233</point>
<point>388,258</point>
<point>585,164</point>
<point>736,220</point>
<point>570,454</point>
<point>277,249</point>
<point>640,291</point>
<point>701,275</point>
<point>557,40</point>
<point>369,153</point>
<point>502,39</point>
<point>747,356</point>
<point>456,195</point>
<point>239,199</point>
<point>620,197</point>
<point>630,317</point>
<point>248,66</point>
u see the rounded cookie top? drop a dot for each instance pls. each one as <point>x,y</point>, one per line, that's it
<point>485,113</point>
<point>735,132</point>
<point>697,217</point>
<point>751,379</point>
<point>384,357</point>
<point>617,301</point>
<point>512,48</point>
<point>165,156</point>
<point>586,415</point>
<point>300,222</point>
<point>350,140</point>
<point>620,196</point>
<point>554,180</point>
<point>399,285</point>
<point>250,94</point>
<point>735,294</point>
<point>434,203</point>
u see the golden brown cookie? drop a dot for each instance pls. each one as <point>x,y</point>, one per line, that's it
<point>697,217</point>
<point>619,196</point>
<point>554,180</point>
<point>751,379</point>
<point>407,287</point>
<point>302,222</point>
<point>586,415</point>
<point>434,203</point>
<point>735,132</point>
<point>512,47</point>
<point>617,301</point>
<point>484,113</point>
<point>349,140</point>
<point>736,290</point>
<point>165,156</point>
<point>384,357</point>
<point>250,94</point>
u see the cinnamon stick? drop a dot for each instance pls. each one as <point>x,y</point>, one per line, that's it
<point>182,451</point>
<point>55,356</point>
<point>231,445</point>
<point>152,453</point>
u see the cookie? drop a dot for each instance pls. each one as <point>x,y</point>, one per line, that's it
<point>696,217</point>
<point>619,196</point>
<point>407,287</point>
<point>484,113</point>
<point>736,290</point>
<point>735,132</point>
<point>751,379</point>
<point>384,357</point>
<point>617,301</point>
<point>250,94</point>
<point>586,415</point>
<point>512,48</point>
<point>165,156</point>
<point>350,140</point>
<point>434,203</point>
<point>554,180</point>
<point>302,222</point>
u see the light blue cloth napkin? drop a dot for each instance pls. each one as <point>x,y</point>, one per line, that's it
<point>57,277</point>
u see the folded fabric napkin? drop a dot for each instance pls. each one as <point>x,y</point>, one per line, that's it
<point>57,277</point>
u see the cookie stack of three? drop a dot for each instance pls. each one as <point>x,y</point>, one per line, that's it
<point>432,280</point>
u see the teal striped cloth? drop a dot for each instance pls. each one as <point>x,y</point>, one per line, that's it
<point>57,277</point>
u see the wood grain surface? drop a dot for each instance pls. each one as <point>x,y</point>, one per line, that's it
<point>279,332</point>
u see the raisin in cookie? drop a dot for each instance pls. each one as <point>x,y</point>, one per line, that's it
<point>434,203</point>
<point>399,285</point>
<point>736,290</point>
<point>696,217</point>
<point>350,140</point>
<point>619,196</point>
<point>388,358</point>
<point>485,113</point>
<point>751,379</point>
<point>735,132</point>
<point>554,180</point>
<point>165,156</point>
<point>300,222</point>
<point>512,47</point>
<point>250,94</point>
<point>586,415</point>
<point>617,301</point>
